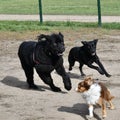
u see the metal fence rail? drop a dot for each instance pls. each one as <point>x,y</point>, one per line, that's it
<point>98,5</point>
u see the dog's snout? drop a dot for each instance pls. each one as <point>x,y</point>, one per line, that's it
<point>61,49</point>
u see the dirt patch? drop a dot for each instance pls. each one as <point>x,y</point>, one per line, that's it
<point>17,102</point>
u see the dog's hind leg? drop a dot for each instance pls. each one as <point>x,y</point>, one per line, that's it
<point>111,105</point>
<point>71,61</point>
<point>29,75</point>
<point>71,64</point>
<point>104,114</point>
<point>28,72</point>
<point>80,68</point>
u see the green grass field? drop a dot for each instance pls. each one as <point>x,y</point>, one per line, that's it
<point>21,26</point>
<point>73,7</point>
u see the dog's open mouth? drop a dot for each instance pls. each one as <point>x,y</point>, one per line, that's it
<point>60,54</point>
<point>93,54</point>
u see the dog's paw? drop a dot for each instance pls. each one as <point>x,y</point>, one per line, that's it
<point>67,82</point>
<point>83,75</point>
<point>68,87</point>
<point>104,116</point>
<point>56,89</point>
<point>70,68</point>
<point>108,75</point>
<point>89,117</point>
<point>112,108</point>
<point>33,86</point>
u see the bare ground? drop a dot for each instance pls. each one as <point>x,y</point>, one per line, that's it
<point>83,18</point>
<point>17,102</point>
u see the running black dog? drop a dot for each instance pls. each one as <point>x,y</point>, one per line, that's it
<point>45,56</point>
<point>86,55</point>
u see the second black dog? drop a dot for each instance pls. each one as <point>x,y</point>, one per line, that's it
<point>86,55</point>
<point>45,56</point>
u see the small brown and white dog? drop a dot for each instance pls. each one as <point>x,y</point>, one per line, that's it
<point>95,93</point>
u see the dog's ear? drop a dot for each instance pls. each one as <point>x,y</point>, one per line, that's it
<point>42,37</point>
<point>84,42</point>
<point>61,34</point>
<point>89,81</point>
<point>95,41</point>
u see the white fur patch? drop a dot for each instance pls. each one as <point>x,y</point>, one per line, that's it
<point>92,95</point>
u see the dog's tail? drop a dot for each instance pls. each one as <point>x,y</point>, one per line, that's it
<point>112,97</point>
<point>109,96</point>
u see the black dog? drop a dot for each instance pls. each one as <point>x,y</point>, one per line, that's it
<point>86,55</point>
<point>45,56</point>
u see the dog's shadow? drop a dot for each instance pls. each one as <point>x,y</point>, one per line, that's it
<point>15,82</point>
<point>79,109</point>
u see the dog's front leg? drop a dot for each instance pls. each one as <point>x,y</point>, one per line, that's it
<point>66,79</point>
<point>102,68</point>
<point>90,111</point>
<point>47,79</point>
<point>96,68</point>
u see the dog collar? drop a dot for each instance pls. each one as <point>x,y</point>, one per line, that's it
<point>37,62</point>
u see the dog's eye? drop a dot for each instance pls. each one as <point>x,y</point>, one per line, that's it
<point>92,45</point>
<point>79,87</point>
<point>89,47</point>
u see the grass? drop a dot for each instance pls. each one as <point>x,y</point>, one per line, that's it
<point>72,7</point>
<point>18,6</point>
<point>22,26</point>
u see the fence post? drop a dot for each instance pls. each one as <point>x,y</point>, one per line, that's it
<point>40,11</point>
<point>99,13</point>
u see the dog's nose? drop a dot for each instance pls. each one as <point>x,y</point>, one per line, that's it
<point>76,89</point>
<point>63,48</point>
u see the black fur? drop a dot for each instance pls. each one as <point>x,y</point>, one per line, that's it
<point>45,56</point>
<point>86,55</point>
